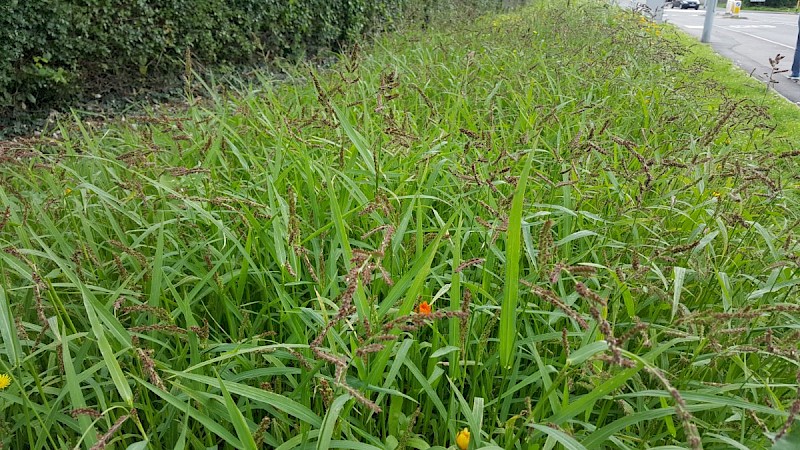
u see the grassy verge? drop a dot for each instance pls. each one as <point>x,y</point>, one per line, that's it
<point>557,228</point>
<point>754,7</point>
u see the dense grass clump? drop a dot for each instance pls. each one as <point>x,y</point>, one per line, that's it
<point>555,228</point>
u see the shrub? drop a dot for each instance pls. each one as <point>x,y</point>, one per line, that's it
<point>50,48</point>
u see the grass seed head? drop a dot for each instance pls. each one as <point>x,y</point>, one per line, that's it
<point>261,432</point>
<point>93,413</point>
<point>105,439</point>
<point>149,366</point>
<point>546,245</point>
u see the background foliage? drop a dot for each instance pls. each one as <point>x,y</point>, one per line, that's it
<point>49,49</point>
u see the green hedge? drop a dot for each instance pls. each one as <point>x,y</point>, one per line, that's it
<point>50,48</point>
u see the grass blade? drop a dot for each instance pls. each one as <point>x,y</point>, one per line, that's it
<point>194,413</point>
<point>508,314</point>
<point>242,430</point>
<point>110,358</point>
<point>259,395</point>
<point>356,138</point>
<point>8,332</point>
<point>329,422</point>
<point>680,276</point>
<point>567,441</point>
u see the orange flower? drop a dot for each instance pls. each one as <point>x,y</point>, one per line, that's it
<point>424,308</point>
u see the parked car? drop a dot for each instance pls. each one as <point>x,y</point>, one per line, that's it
<point>686,4</point>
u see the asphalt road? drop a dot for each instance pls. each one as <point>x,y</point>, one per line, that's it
<point>750,41</point>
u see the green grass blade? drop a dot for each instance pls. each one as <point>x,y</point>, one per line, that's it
<point>677,289</point>
<point>567,441</point>
<point>77,400</point>
<point>181,442</point>
<point>579,406</point>
<point>329,423</point>
<point>411,283</point>
<point>194,413</point>
<point>236,417</point>
<point>474,416</point>
<point>508,314</point>
<point>600,435</point>
<point>156,269</point>
<point>427,388</point>
<point>8,331</point>
<point>277,401</point>
<point>357,139</point>
<point>112,363</point>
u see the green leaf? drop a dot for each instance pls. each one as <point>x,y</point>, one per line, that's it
<point>574,236</point>
<point>329,423</point>
<point>110,358</point>
<point>508,313</point>
<point>474,420</point>
<point>279,402</point>
<point>356,138</point>
<point>564,439</point>
<point>446,350</point>
<point>600,435</point>
<point>412,282</point>
<point>157,270</point>
<point>680,276</point>
<point>192,412</point>
<point>8,331</point>
<point>789,441</point>
<point>579,406</point>
<point>587,351</point>
<point>236,417</point>
<point>76,394</point>
<point>141,445</point>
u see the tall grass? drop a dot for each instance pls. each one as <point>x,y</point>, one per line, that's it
<point>605,233</point>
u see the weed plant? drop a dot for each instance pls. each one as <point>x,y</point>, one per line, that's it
<point>557,228</point>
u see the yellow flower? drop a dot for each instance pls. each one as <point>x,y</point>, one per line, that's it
<point>716,194</point>
<point>67,191</point>
<point>462,439</point>
<point>5,381</point>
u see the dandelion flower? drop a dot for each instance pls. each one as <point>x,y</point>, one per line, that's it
<point>5,381</point>
<point>424,308</point>
<point>462,439</point>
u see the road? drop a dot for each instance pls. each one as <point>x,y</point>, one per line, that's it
<point>749,41</point>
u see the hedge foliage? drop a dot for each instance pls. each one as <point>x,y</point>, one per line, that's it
<point>49,48</point>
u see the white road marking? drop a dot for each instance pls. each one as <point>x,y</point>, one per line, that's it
<point>758,37</point>
<point>751,26</point>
